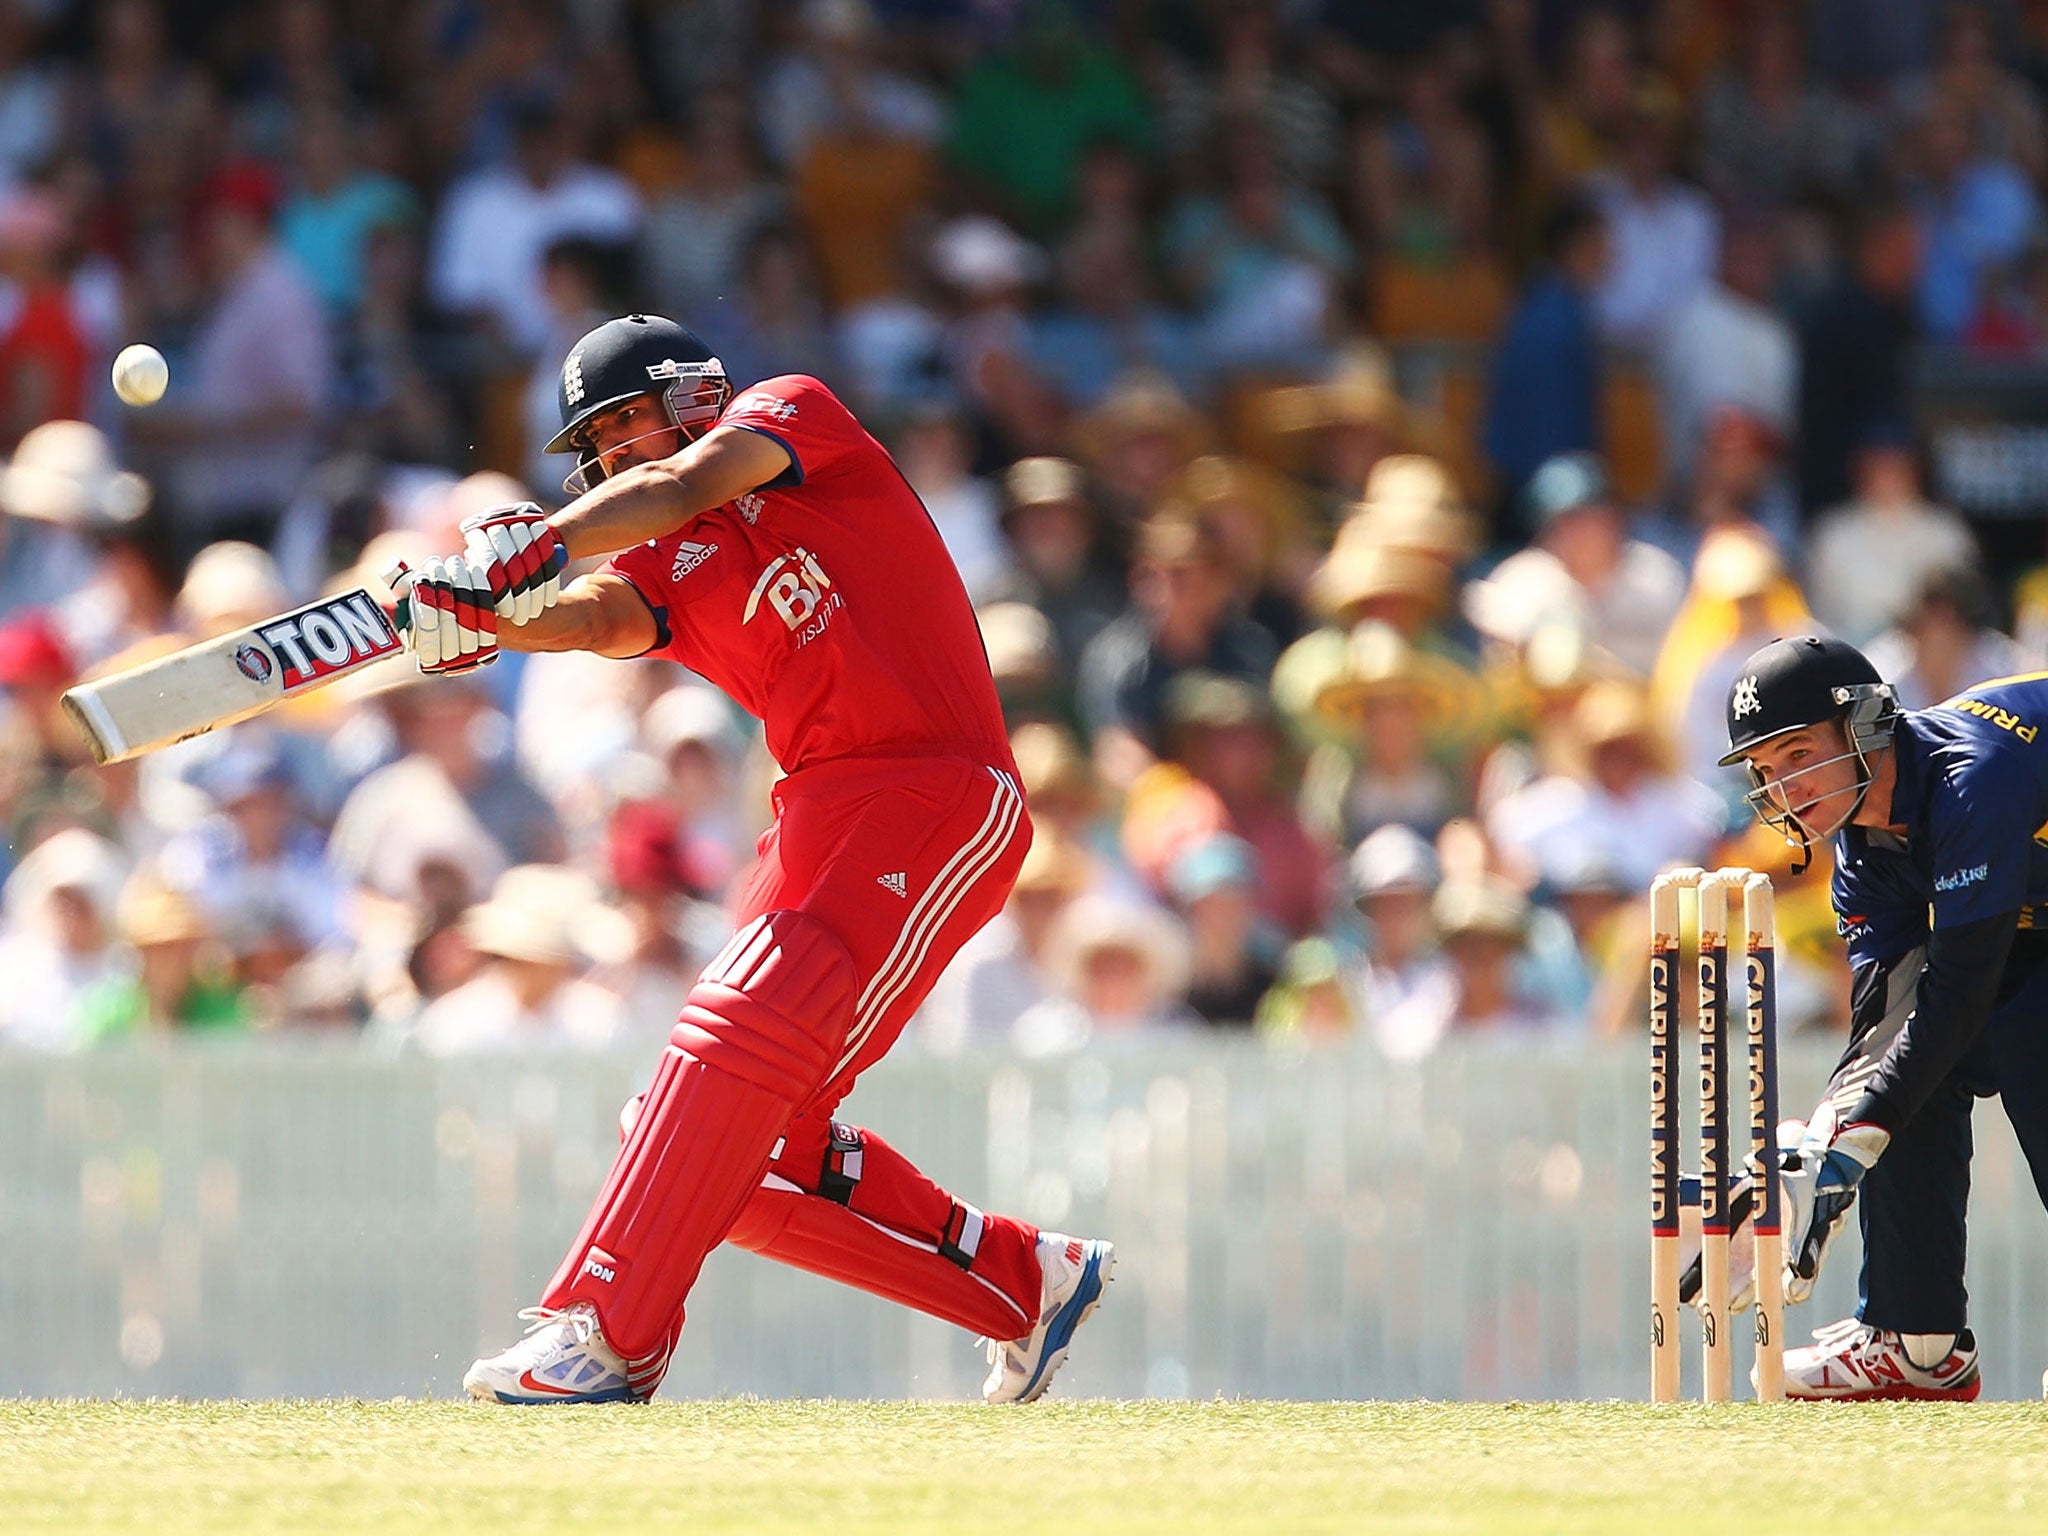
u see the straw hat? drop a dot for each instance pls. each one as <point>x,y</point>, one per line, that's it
<point>64,472</point>
<point>1525,592</point>
<point>1379,663</point>
<point>1613,710</point>
<point>549,914</point>
<point>1358,392</point>
<point>1054,865</point>
<point>1021,646</point>
<point>1486,905</point>
<point>149,913</point>
<point>1360,568</point>
<point>1216,479</point>
<point>1098,922</point>
<point>1734,564</point>
<point>1051,763</point>
<point>1141,402</point>
<point>689,714</point>
<point>1035,482</point>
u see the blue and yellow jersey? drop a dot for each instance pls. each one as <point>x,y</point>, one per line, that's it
<point>1972,794</point>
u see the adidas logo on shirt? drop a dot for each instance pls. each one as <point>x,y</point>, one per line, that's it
<point>894,884</point>
<point>688,557</point>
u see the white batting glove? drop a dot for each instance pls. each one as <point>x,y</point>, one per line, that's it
<point>445,615</point>
<point>520,556</point>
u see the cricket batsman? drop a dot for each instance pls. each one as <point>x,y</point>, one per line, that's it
<point>767,542</point>
<point>1941,868</point>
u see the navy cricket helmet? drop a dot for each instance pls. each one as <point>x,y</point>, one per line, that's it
<point>1790,685</point>
<point>636,355</point>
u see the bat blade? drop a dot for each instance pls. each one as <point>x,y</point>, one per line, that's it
<point>231,677</point>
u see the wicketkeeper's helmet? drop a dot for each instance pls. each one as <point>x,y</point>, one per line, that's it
<point>1794,685</point>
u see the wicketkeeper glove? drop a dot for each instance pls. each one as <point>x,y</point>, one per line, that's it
<point>520,556</point>
<point>1821,1191</point>
<point>445,615</point>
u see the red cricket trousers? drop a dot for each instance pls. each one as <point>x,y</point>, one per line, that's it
<point>901,861</point>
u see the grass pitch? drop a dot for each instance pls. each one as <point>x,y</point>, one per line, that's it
<point>842,1468</point>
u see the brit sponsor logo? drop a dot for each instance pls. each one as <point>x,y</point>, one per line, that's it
<point>769,405</point>
<point>324,638</point>
<point>690,555</point>
<point>799,591</point>
<point>1955,880</point>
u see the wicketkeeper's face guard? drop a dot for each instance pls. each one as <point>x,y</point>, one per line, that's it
<point>1798,792</point>
<point>687,406</point>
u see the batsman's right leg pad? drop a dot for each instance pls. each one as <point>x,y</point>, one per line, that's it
<point>757,1037</point>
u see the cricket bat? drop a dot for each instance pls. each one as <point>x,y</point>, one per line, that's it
<point>231,677</point>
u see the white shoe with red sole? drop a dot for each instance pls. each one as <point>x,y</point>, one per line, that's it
<point>1852,1362</point>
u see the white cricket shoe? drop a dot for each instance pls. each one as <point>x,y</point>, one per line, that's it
<point>1076,1270</point>
<point>1852,1362</point>
<point>562,1359</point>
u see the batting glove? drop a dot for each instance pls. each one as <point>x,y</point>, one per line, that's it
<point>521,557</point>
<point>445,616</point>
<point>1821,1191</point>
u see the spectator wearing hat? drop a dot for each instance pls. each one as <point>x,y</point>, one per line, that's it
<point>1309,1002</point>
<point>1395,717</point>
<point>1180,619</point>
<point>935,451</point>
<point>1740,598</point>
<point>257,866</point>
<point>1023,658</point>
<point>1627,590</point>
<point>1866,556</point>
<point>1945,641</point>
<point>57,941</point>
<point>181,980</point>
<point>1214,886</point>
<point>1543,396</point>
<point>228,586</point>
<point>1226,733</point>
<point>36,666</point>
<point>529,993</point>
<point>243,422</point>
<point>1259,519</point>
<point>1620,798</point>
<point>73,538</point>
<point>1002,971</point>
<point>1142,434</point>
<point>1393,873</point>
<point>1349,421</point>
<point>1055,558</point>
<point>1121,969</point>
<point>1484,925</point>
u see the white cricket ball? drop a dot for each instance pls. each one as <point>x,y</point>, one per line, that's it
<point>141,375</point>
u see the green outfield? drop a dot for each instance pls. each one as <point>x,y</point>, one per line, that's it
<point>829,1469</point>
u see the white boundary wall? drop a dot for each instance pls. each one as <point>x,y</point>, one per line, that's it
<point>291,1218</point>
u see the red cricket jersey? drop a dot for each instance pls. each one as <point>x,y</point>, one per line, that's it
<point>825,602</point>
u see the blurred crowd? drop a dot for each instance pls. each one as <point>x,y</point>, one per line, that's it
<point>1372,435</point>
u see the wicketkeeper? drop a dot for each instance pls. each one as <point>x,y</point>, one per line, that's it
<point>1939,818</point>
<point>767,542</point>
